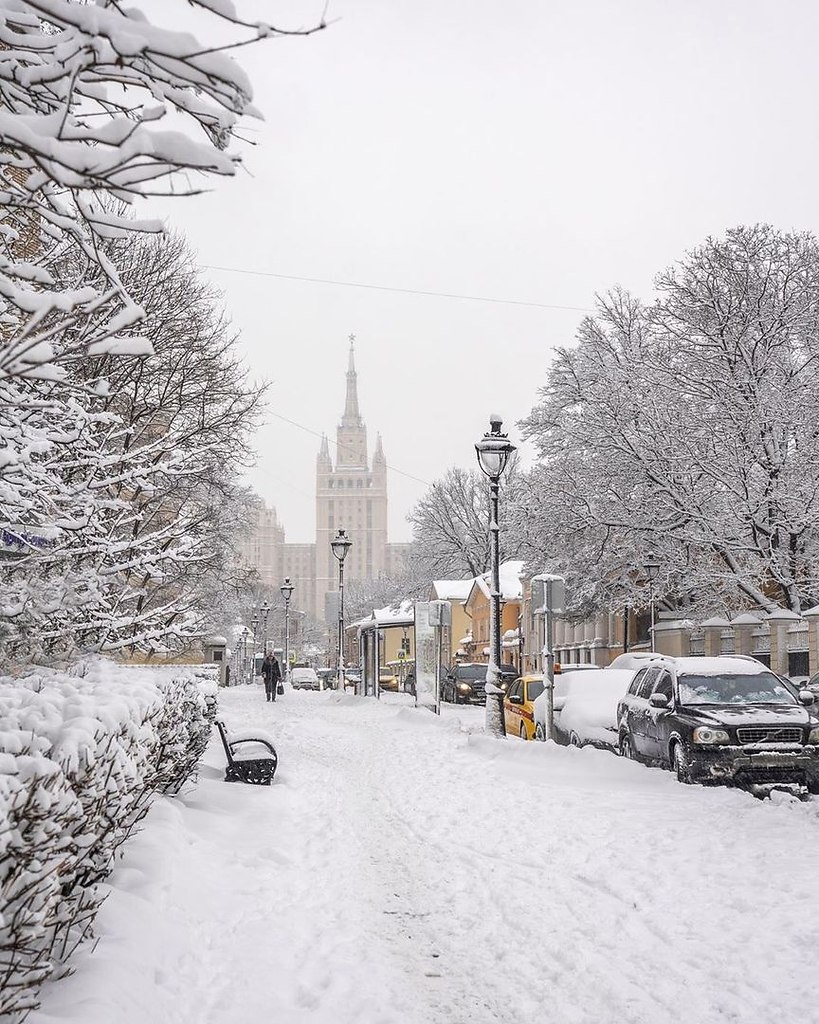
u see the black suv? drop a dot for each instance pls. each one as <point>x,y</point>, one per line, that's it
<point>466,684</point>
<point>726,719</point>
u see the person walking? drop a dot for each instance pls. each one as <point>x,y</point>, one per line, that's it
<point>271,673</point>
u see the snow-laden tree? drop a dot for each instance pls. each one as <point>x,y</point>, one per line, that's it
<point>450,526</point>
<point>157,466</point>
<point>98,106</point>
<point>688,429</point>
<point>98,101</point>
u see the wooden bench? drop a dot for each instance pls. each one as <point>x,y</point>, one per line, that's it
<point>243,766</point>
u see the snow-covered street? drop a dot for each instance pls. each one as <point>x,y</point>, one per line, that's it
<point>408,869</point>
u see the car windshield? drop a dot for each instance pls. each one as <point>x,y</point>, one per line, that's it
<point>756,688</point>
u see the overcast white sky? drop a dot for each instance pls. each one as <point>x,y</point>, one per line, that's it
<point>535,150</point>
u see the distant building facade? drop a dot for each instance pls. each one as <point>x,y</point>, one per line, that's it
<point>351,494</point>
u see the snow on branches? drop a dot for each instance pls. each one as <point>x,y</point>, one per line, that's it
<point>688,428</point>
<point>80,758</point>
<point>96,101</point>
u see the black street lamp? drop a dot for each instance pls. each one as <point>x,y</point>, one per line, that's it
<point>652,571</point>
<point>265,610</point>
<point>493,451</point>
<point>287,589</point>
<point>340,545</point>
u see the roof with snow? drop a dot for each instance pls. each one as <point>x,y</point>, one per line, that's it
<point>511,587</point>
<point>403,615</point>
<point>452,590</point>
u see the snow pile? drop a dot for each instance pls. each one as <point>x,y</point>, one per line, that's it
<point>80,757</point>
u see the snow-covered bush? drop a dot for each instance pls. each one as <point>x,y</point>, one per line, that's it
<point>80,758</point>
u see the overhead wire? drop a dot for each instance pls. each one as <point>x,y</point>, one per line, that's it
<point>401,291</point>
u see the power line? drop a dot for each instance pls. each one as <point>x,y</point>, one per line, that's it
<point>403,291</point>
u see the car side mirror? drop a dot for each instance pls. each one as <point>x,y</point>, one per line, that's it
<point>658,700</point>
<point>806,697</point>
<point>516,699</point>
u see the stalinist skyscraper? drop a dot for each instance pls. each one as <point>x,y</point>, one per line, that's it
<point>351,494</point>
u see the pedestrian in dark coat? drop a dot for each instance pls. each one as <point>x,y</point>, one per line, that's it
<point>271,673</point>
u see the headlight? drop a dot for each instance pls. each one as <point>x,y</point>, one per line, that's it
<point>813,736</point>
<point>464,687</point>
<point>705,734</point>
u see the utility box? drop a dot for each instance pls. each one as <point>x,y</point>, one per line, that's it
<point>215,653</point>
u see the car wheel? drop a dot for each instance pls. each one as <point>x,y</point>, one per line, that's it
<point>627,748</point>
<point>681,765</point>
<point>575,741</point>
<point>523,735</point>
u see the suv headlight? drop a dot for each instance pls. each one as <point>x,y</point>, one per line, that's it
<point>464,687</point>
<point>813,736</point>
<point>705,734</point>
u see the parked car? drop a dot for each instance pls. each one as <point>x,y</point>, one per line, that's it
<point>564,683</point>
<point>466,683</point>
<point>388,680</point>
<point>725,719</point>
<point>304,679</point>
<point>589,711</point>
<point>352,677</point>
<point>518,706</point>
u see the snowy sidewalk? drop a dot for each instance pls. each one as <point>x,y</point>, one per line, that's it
<point>406,869</point>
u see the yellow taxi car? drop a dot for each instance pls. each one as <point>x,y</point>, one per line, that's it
<point>388,680</point>
<point>518,706</point>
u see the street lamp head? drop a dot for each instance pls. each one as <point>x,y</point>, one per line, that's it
<point>652,568</point>
<point>287,589</point>
<point>494,449</point>
<point>341,544</point>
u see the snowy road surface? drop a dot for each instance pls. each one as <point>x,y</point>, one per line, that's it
<point>407,870</point>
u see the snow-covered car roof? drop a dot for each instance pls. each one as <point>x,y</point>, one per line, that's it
<point>725,665</point>
<point>635,659</point>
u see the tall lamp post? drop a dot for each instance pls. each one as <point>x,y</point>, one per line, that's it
<point>287,592</point>
<point>493,451</point>
<point>340,545</point>
<point>265,611</point>
<point>652,571</point>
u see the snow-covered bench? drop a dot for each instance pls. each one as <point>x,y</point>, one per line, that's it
<point>250,758</point>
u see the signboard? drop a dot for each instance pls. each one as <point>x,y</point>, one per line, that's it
<point>426,656</point>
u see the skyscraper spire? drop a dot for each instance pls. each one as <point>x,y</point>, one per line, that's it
<point>352,415</point>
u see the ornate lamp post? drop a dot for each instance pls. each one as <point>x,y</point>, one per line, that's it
<point>493,451</point>
<point>652,571</point>
<point>287,592</point>
<point>265,611</point>
<point>254,625</point>
<point>340,545</point>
